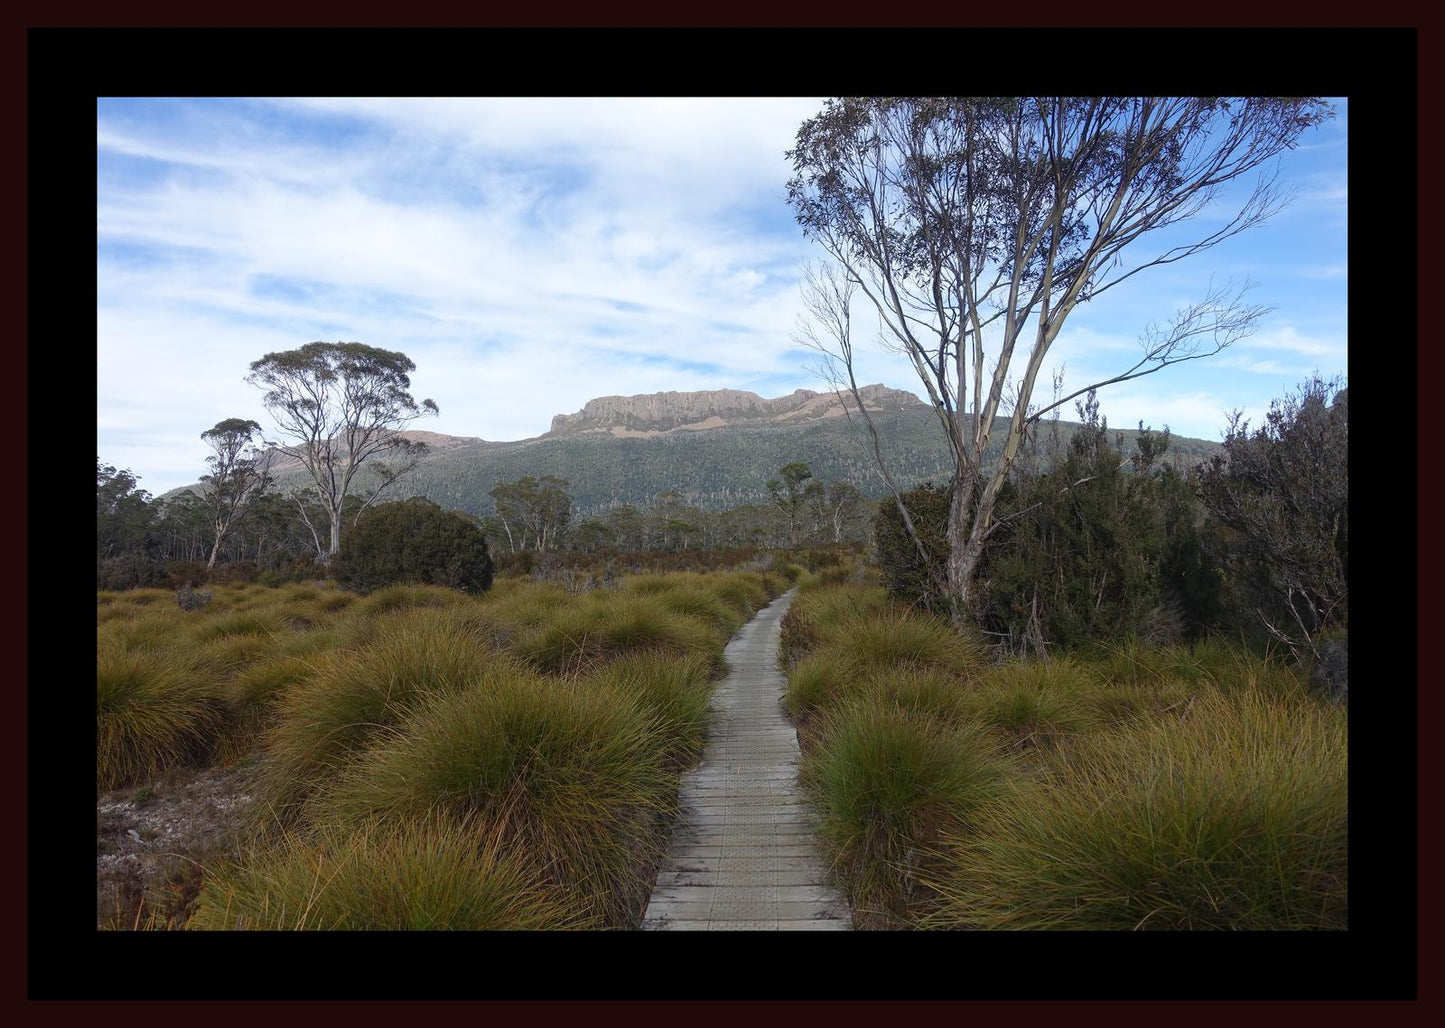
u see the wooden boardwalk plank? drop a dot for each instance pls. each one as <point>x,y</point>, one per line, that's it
<point>743,855</point>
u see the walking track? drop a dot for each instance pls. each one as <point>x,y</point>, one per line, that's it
<point>743,856</point>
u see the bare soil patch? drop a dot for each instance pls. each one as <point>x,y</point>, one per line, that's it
<point>153,842</point>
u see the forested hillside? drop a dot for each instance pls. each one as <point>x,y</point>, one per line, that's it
<point>715,469</point>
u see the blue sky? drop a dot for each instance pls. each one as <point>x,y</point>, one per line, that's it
<point>531,254</point>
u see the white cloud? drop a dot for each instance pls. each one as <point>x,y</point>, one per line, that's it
<point>527,254</point>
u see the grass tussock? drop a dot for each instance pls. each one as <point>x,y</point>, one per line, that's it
<point>351,696</point>
<point>886,784</point>
<point>1034,703</point>
<point>1230,815</point>
<point>677,693</point>
<point>574,779</point>
<point>581,638</point>
<point>403,597</point>
<point>153,712</point>
<point>431,873</point>
<point>889,639</point>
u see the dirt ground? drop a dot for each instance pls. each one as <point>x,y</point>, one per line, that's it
<point>152,842</point>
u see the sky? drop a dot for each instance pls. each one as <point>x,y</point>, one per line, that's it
<point>531,254</point>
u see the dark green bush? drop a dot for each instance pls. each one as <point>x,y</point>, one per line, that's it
<point>907,576</point>
<point>180,573</point>
<point>129,571</point>
<point>414,541</point>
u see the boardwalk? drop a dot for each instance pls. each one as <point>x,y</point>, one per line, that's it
<point>743,856</point>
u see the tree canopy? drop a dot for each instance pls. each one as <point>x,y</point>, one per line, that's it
<point>974,226</point>
<point>238,474</point>
<point>341,405</point>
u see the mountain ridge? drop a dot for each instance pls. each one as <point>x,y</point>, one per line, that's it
<point>716,449</point>
<point>649,414</point>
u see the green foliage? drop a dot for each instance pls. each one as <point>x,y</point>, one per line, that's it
<point>123,513</point>
<point>414,541</point>
<point>129,571</point>
<point>1233,817</point>
<point>908,576</point>
<point>886,783</point>
<point>1281,495</point>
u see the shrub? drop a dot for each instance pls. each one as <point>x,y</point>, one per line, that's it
<point>129,571</point>
<point>180,573</point>
<point>1232,817</point>
<point>189,599</point>
<point>234,572</point>
<point>414,540</point>
<point>907,576</point>
<point>431,873</point>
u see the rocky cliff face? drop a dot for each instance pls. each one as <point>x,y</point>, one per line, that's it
<point>661,413</point>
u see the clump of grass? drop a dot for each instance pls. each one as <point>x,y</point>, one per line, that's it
<point>1035,703</point>
<point>430,873</point>
<point>575,780</point>
<point>351,696</point>
<point>147,597</point>
<point>886,784</point>
<point>698,602</point>
<point>926,693</point>
<point>581,638</point>
<point>888,639</point>
<point>821,679</point>
<point>226,626</point>
<point>332,602</point>
<point>154,711</point>
<point>827,608</point>
<point>1123,704</point>
<point>152,630</point>
<point>677,692</point>
<point>1230,816</point>
<point>517,607</point>
<point>229,655</point>
<point>399,597</point>
<point>744,591</point>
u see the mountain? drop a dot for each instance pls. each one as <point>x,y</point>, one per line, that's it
<point>654,414</point>
<point>717,449</point>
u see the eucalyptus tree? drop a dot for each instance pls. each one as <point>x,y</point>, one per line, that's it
<point>790,495</point>
<point>123,513</point>
<point>342,405</point>
<point>535,509</point>
<point>239,473</point>
<point>973,228</point>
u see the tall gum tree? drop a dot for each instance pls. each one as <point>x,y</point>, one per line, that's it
<point>238,474</point>
<point>341,405</point>
<point>974,226</point>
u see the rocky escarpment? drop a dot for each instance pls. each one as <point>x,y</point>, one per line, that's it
<point>661,413</point>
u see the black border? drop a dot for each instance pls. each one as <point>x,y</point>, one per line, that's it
<point>66,68</point>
